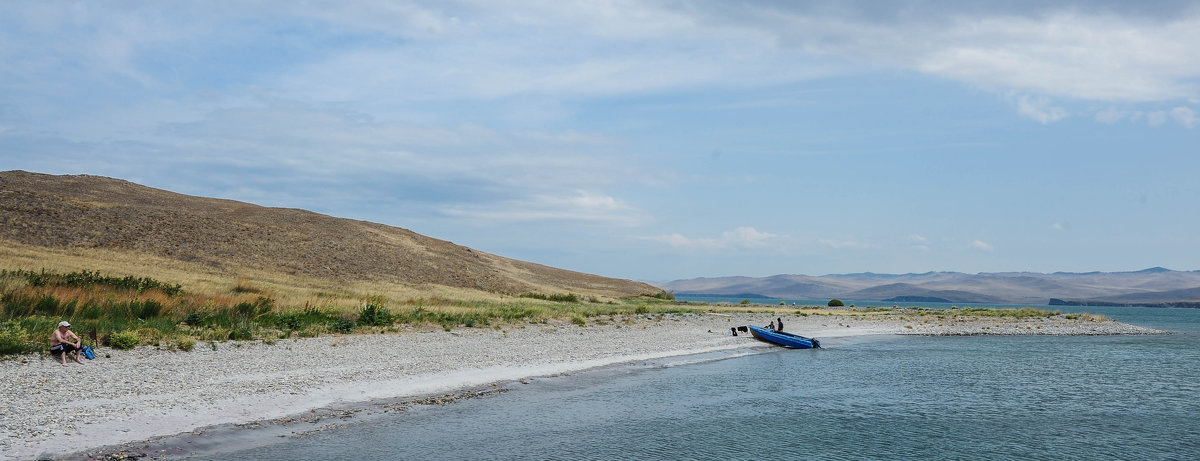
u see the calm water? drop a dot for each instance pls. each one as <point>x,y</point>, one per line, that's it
<point>861,398</point>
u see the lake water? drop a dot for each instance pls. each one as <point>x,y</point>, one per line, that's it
<point>885,397</point>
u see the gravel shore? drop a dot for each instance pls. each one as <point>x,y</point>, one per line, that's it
<point>51,411</point>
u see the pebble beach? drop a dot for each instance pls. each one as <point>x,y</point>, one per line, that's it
<point>122,397</point>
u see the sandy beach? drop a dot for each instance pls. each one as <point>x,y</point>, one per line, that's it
<point>121,397</point>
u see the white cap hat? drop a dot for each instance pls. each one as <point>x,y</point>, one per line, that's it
<point>64,323</point>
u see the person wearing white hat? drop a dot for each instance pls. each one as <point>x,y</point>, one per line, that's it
<point>60,342</point>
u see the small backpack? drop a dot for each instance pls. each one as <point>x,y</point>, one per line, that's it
<point>88,353</point>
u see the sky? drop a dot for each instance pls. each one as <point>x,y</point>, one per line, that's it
<point>649,140</point>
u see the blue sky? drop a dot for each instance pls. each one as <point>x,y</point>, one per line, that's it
<point>643,139</point>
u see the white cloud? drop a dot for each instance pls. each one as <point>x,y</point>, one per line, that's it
<point>740,237</point>
<point>1111,115</point>
<point>918,242</point>
<point>982,246</point>
<point>388,54</point>
<point>1156,117</point>
<point>1040,109</point>
<point>1073,54</point>
<point>1185,116</point>
<point>1065,52</point>
<point>747,237</point>
<point>582,206</point>
<point>846,243</point>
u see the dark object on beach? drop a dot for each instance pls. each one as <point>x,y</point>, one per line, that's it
<point>780,338</point>
<point>734,330</point>
<point>743,329</point>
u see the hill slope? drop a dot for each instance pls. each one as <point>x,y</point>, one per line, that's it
<point>230,238</point>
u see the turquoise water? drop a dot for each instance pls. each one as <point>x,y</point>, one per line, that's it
<point>1130,397</point>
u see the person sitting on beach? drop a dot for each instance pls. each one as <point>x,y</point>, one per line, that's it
<point>60,342</point>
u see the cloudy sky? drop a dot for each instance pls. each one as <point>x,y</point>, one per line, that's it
<point>644,139</point>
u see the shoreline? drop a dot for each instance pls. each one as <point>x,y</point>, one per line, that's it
<point>148,394</point>
<point>212,441</point>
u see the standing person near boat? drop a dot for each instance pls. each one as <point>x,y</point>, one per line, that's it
<point>60,342</point>
<point>779,324</point>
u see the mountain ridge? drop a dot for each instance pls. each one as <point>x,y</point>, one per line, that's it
<point>1151,286</point>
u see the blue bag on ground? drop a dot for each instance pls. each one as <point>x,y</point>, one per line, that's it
<point>87,352</point>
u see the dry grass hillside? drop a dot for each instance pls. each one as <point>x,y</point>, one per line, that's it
<point>89,222</point>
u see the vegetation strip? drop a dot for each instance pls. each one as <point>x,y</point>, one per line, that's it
<point>126,312</point>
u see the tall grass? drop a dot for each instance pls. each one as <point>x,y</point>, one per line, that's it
<point>562,298</point>
<point>87,278</point>
<point>131,311</point>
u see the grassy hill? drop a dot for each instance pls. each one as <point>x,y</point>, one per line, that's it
<point>80,222</point>
<point>69,245</point>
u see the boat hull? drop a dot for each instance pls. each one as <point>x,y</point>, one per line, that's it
<point>784,339</point>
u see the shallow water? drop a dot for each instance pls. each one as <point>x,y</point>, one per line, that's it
<point>1124,397</point>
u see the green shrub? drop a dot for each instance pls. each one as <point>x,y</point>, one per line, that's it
<point>341,326</point>
<point>297,320</point>
<point>186,344</point>
<point>288,322</point>
<point>835,303</point>
<point>375,316</point>
<point>14,341</point>
<point>124,340</point>
<point>241,334</point>
<point>244,309</point>
<point>196,319</point>
<point>579,320</point>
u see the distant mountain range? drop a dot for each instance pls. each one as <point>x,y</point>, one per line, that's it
<point>1150,287</point>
